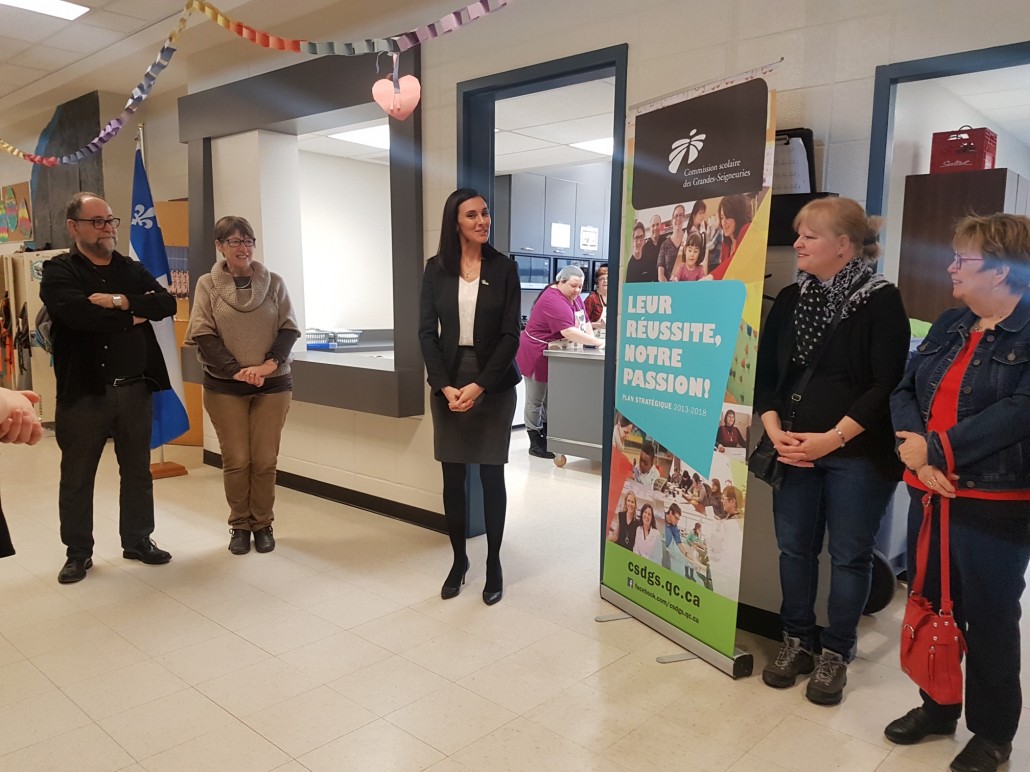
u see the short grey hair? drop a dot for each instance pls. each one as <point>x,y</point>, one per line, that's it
<point>568,272</point>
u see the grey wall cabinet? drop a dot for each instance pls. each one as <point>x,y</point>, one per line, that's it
<point>589,237</point>
<point>559,216</point>
<point>526,220</point>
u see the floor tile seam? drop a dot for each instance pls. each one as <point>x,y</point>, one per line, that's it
<point>606,744</point>
<point>263,736</point>
<point>816,724</point>
<point>106,672</point>
<point>183,688</point>
<point>594,755</point>
<point>218,728</point>
<point>49,737</point>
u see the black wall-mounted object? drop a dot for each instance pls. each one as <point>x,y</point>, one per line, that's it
<point>782,211</point>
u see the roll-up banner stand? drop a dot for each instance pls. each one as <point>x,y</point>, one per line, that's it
<point>698,169</point>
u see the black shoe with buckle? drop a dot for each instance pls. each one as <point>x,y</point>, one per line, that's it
<point>263,539</point>
<point>916,725</point>
<point>74,570</point>
<point>981,755</point>
<point>146,551</point>
<point>239,541</point>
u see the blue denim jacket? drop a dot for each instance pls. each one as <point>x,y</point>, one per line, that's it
<point>991,440</point>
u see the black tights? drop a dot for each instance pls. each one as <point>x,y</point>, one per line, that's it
<point>495,503</point>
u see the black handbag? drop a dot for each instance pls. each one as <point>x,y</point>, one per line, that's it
<point>762,462</point>
<point>764,465</point>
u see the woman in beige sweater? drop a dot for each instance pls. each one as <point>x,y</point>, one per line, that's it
<point>243,326</point>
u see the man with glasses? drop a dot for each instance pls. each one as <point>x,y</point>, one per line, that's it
<point>107,362</point>
<point>641,267</point>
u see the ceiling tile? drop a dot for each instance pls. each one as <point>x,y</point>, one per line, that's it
<point>1010,113</point>
<point>19,76</point>
<point>1003,79</point>
<point>579,130</point>
<point>559,155</point>
<point>29,26</point>
<point>42,57</point>
<point>10,47</point>
<point>116,22</point>
<point>994,99</point>
<point>560,104</point>
<point>83,39</point>
<point>148,10</point>
<point>509,142</point>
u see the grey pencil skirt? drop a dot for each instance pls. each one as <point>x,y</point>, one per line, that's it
<point>481,435</point>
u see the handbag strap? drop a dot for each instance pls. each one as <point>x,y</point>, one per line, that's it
<point>923,542</point>
<point>802,383</point>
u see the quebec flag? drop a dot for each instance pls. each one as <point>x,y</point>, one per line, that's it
<point>147,245</point>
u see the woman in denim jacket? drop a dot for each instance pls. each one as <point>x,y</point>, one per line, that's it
<point>970,378</point>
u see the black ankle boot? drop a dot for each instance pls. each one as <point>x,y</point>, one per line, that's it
<point>494,589</point>
<point>456,578</point>
<point>538,444</point>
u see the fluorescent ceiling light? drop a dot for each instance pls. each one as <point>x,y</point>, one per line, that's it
<point>373,136</point>
<point>58,8</point>
<point>604,146</point>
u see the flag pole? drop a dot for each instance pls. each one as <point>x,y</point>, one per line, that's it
<point>161,468</point>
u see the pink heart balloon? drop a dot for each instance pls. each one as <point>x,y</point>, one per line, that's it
<point>397,105</point>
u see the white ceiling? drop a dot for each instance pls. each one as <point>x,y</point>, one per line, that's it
<point>536,131</point>
<point>45,61</point>
<point>1003,96</point>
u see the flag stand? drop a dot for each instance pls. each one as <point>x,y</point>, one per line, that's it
<point>161,469</point>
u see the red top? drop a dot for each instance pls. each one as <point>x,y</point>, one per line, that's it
<point>944,415</point>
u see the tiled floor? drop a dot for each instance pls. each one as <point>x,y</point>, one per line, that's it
<point>335,652</point>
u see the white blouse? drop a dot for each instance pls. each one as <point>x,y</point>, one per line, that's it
<point>468,293</point>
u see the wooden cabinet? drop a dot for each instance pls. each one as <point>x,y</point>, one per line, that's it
<point>934,203</point>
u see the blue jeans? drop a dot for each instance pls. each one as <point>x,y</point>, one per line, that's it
<point>847,497</point>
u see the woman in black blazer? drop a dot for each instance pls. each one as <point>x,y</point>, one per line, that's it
<point>469,331</point>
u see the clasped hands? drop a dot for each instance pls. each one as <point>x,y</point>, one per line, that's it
<point>255,374</point>
<point>802,449</point>
<point>913,454</point>
<point>462,400</point>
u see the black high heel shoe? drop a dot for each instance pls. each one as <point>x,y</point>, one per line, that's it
<point>490,597</point>
<point>448,590</point>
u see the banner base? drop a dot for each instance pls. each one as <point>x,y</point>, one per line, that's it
<point>740,665</point>
<point>164,469</point>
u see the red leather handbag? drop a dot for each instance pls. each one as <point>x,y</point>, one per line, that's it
<point>931,642</point>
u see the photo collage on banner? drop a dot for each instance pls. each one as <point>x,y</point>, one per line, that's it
<point>696,221</point>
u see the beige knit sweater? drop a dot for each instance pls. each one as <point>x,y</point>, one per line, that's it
<point>246,319</point>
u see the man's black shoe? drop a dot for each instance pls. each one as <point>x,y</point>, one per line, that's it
<point>239,541</point>
<point>915,726</point>
<point>263,539</point>
<point>981,755</point>
<point>146,551</point>
<point>74,570</point>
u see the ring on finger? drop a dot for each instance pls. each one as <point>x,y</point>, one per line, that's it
<point>932,483</point>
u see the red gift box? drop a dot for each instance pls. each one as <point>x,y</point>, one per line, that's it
<point>966,149</point>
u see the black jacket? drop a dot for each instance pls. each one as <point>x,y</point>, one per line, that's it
<point>81,330</point>
<point>854,377</point>
<point>496,329</point>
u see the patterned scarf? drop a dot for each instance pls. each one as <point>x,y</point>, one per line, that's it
<point>818,304</point>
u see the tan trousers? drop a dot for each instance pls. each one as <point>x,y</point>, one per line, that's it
<point>249,430</point>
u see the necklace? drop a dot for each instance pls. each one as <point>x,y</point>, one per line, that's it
<point>468,272</point>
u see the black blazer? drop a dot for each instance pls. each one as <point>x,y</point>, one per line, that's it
<point>496,330</point>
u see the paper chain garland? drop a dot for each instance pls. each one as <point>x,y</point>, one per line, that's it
<point>393,45</point>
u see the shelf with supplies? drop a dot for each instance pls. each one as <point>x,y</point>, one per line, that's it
<point>538,271</point>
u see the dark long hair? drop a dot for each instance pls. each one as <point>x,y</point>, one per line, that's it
<point>449,253</point>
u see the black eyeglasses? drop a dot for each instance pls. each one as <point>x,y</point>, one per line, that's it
<point>958,260</point>
<point>100,223</point>
<point>234,243</point>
